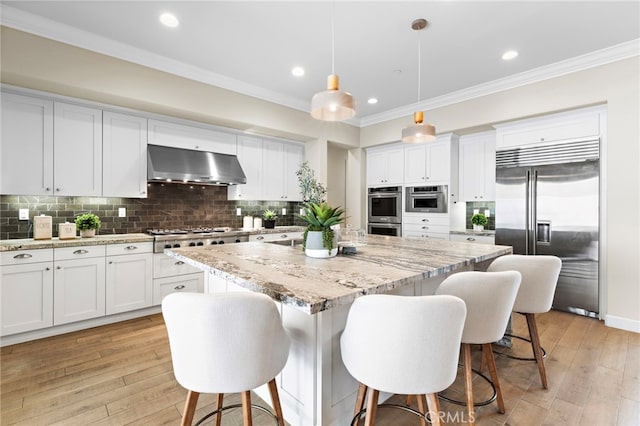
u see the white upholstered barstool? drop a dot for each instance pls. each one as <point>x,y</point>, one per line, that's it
<point>535,296</point>
<point>225,343</point>
<point>402,345</point>
<point>489,297</point>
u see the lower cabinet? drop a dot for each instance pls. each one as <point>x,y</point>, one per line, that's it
<point>26,291</point>
<point>469,238</point>
<point>171,275</point>
<point>432,226</point>
<point>129,277</point>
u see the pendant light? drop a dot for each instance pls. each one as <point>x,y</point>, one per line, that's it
<point>332,104</point>
<point>419,131</point>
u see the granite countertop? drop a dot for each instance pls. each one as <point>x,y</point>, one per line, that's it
<point>31,244</point>
<point>313,285</point>
<point>276,230</point>
<point>485,233</point>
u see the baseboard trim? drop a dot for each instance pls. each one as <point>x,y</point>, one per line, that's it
<point>622,323</point>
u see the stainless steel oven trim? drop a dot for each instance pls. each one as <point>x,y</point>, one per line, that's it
<point>376,193</point>
<point>440,192</point>
<point>397,226</point>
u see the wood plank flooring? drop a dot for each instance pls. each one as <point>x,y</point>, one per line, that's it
<point>121,374</point>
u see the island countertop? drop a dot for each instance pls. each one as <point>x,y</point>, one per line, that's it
<point>314,285</point>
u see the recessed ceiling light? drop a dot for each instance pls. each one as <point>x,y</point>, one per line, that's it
<point>297,71</point>
<point>169,20</point>
<point>372,101</point>
<point>509,55</point>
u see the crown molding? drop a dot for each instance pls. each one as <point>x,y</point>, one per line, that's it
<point>24,21</point>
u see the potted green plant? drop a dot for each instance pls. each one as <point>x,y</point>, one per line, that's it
<point>479,221</point>
<point>319,239</point>
<point>269,217</point>
<point>87,224</point>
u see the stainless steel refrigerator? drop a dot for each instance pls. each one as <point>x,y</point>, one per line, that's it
<point>547,202</point>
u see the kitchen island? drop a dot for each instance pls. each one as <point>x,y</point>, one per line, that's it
<point>314,296</point>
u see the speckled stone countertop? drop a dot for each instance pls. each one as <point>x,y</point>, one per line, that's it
<point>277,229</point>
<point>313,285</point>
<point>485,233</point>
<point>31,244</point>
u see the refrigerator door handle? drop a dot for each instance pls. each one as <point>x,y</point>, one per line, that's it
<point>534,211</point>
<point>527,221</point>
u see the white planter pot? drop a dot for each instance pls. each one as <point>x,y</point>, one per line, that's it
<point>87,233</point>
<point>314,248</point>
<point>478,228</point>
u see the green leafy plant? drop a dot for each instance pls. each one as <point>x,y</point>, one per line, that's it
<point>321,217</point>
<point>269,215</point>
<point>87,221</point>
<point>479,219</point>
<point>312,191</point>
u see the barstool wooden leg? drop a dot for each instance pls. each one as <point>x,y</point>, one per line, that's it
<point>372,406</point>
<point>275,401</point>
<point>409,400</point>
<point>468,381</point>
<point>537,349</point>
<point>246,409</point>
<point>362,392</point>
<point>434,409</point>
<point>219,415</point>
<point>189,408</point>
<point>422,407</point>
<point>490,360</point>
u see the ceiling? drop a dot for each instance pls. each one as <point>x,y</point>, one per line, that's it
<point>251,47</point>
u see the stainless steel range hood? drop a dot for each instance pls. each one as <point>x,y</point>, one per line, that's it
<point>165,164</point>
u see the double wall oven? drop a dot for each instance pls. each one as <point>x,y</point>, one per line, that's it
<point>384,206</point>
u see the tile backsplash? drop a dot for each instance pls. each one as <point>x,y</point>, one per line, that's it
<point>167,206</point>
<point>481,206</point>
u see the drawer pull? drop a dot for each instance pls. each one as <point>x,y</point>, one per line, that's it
<point>22,256</point>
<point>425,227</point>
<point>283,236</point>
<point>470,239</point>
<point>81,251</point>
<point>179,287</point>
<point>131,248</point>
<point>179,262</point>
<point>260,238</point>
<point>425,220</point>
<point>47,269</point>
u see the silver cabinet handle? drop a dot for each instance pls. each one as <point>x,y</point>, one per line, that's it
<point>470,239</point>
<point>111,262</point>
<point>425,227</point>
<point>260,238</point>
<point>179,262</point>
<point>283,236</point>
<point>81,251</point>
<point>57,189</point>
<point>58,267</point>
<point>179,287</point>
<point>47,269</point>
<point>131,248</point>
<point>47,189</point>
<point>22,256</point>
<point>425,220</point>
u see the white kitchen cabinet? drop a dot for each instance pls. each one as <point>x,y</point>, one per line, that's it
<point>280,161</point>
<point>469,238</point>
<point>432,162</point>
<point>26,291</point>
<point>429,225</point>
<point>129,277</point>
<point>79,284</point>
<point>171,275</point>
<point>477,167</point>
<point>26,147</point>
<point>250,158</point>
<point>124,154</point>
<point>196,137</point>
<point>77,157</point>
<point>385,166</point>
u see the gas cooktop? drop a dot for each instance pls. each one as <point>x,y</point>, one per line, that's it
<point>195,237</point>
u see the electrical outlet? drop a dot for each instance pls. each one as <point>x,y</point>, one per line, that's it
<point>284,212</point>
<point>23,214</point>
<point>238,211</point>
<point>487,213</point>
<point>122,212</point>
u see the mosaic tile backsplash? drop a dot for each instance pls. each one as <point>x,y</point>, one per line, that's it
<point>167,206</point>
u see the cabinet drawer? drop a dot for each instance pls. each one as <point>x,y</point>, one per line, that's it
<point>427,227</point>
<point>278,236</point>
<point>478,239</point>
<point>164,286</point>
<point>129,248</point>
<point>165,266</point>
<point>20,257</point>
<point>78,252</point>
<point>409,233</point>
<point>442,220</point>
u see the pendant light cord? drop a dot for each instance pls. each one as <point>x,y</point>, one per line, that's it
<point>333,37</point>
<point>419,63</point>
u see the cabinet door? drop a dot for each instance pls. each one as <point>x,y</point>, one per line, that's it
<point>273,170</point>
<point>415,157</point>
<point>250,158</point>
<point>197,138</point>
<point>27,297</point>
<point>78,150</point>
<point>438,162</point>
<point>490,168</point>
<point>124,153</point>
<point>395,166</point>
<point>293,158</point>
<point>129,282</point>
<point>471,169</point>
<point>184,283</point>
<point>78,290</point>
<point>376,168</point>
<point>26,147</point>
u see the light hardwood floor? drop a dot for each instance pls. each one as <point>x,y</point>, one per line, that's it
<point>121,374</point>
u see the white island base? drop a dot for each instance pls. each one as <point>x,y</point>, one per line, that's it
<point>315,388</point>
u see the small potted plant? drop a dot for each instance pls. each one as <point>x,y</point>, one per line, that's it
<point>269,217</point>
<point>319,240</point>
<point>87,224</point>
<point>479,221</point>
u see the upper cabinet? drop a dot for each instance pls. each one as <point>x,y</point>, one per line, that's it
<point>385,166</point>
<point>124,153</point>
<point>270,167</point>
<point>477,167</point>
<point>27,139</point>
<point>432,162</point>
<point>176,135</point>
